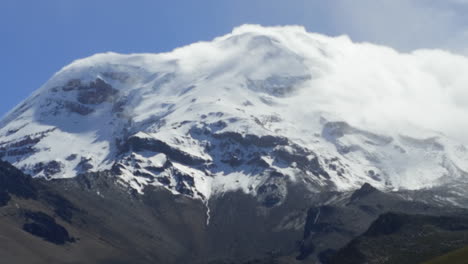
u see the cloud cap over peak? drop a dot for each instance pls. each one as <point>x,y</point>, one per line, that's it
<point>369,85</point>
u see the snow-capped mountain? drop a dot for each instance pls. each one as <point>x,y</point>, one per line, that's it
<point>255,110</point>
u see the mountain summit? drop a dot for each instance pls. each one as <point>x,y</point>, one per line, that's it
<point>255,110</point>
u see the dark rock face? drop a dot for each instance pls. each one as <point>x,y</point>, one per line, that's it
<point>13,181</point>
<point>78,108</point>
<point>72,85</point>
<point>299,156</point>
<point>4,198</point>
<point>155,145</point>
<point>84,165</point>
<point>87,96</point>
<point>270,195</point>
<point>49,169</point>
<point>387,224</point>
<point>262,141</point>
<point>44,226</point>
<point>22,146</point>
<point>184,183</point>
<point>365,190</point>
<point>96,92</point>
<point>62,207</point>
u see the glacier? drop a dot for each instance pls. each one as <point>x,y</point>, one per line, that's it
<point>254,110</point>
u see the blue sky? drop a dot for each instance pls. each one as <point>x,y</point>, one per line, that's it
<point>40,37</point>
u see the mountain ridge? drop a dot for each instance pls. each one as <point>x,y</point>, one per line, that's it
<point>93,219</point>
<point>200,121</point>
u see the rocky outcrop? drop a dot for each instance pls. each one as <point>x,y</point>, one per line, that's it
<point>267,141</point>
<point>48,169</point>
<point>362,192</point>
<point>137,144</point>
<point>93,93</point>
<point>14,182</point>
<point>78,108</point>
<point>23,146</point>
<point>96,92</point>
<point>44,226</point>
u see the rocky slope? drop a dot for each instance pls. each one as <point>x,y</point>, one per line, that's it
<point>94,219</point>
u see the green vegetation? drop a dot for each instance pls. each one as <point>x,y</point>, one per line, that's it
<point>407,239</point>
<point>459,256</point>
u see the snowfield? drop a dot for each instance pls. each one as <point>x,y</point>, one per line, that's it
<point>254,110</point>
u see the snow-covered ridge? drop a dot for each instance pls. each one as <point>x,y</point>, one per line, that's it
<point>255,110</point>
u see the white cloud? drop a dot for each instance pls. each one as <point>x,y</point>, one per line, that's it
<point>405,24</point>
<point>375,86</point>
